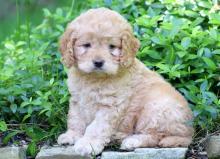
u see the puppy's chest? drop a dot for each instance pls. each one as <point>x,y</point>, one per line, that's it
<point>91,97</point>
<point>99,95</point>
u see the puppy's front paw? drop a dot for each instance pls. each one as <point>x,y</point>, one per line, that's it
<point>67,138</point>
<point>87,147</point>
<point>130,143</point>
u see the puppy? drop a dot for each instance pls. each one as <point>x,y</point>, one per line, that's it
<point>113,95</point>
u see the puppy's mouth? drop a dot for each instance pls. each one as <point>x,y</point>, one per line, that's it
<point>98,70</point>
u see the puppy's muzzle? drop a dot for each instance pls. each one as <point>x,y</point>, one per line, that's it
<point>98,63</point>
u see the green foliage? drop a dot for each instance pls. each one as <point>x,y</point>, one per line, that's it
<point>180,40</point>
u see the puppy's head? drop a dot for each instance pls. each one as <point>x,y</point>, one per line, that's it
<point>99,41</point>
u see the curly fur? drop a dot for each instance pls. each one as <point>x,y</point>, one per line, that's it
<point>125,101</point>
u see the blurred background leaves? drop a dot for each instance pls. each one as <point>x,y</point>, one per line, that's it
<point>16,12</point>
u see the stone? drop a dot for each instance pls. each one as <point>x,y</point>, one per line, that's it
<point>62,152</point>
<point>212,146</point>
<point>13,152</point>
<point>147,153</point>
<point>58,152</point>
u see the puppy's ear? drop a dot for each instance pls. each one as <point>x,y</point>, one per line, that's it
<point>66,45</point>
<point>130,46</point>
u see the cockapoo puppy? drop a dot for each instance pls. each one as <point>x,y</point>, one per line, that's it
<point>114,97</point>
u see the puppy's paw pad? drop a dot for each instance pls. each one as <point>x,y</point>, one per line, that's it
<point>130,143</point>
<point>65,139</point>
<point>83,150</point>
<point>85,147</point>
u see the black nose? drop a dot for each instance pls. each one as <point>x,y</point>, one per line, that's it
<point>98,64</point>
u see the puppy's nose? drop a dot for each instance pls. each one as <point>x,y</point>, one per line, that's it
<point>98,63</point>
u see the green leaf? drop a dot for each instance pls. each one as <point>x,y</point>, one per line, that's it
<point>32,148</point>
<point>36,101</point>
<point>179,47</point>
<point>3,126</point>
<point>21,43</point>
<point>143,21</point>
<point>200,51</point>
<point>205,4</point>
<point>191,13</point>
<point>59,11</point>
<point>26,117</point>
<point>13,108</point>
<point>196,22</point>
<point>11,98</point>
<point>153,54</point>
<point>215,18</point>
<point>163,67</point>
<point>30,109</point>
<point>213,33</point>
<point>9,136</point>
<point>191,57</point>
<point>23,104</point>
<point>9,46</point>
<point>212,111</point>
<point>151,12</point>
<point>128,2</point>
<point>209,63</point>
<point>63,99</point>
<point>217,51</point>
<point>186,42</point>
<point>170,55</point>
<point>156,40</point>
<point>46,12</point>
<point>51,81</point>
<point>197,70</point>
<point>181,53</point>
<point>176,26</point>
<point>147,21</point>
<point>204,86</point>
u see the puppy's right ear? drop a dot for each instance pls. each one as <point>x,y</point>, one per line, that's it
<point>66,47</point>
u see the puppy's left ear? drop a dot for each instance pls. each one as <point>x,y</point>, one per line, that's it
<point>130,46</point>
<point>66,42</point>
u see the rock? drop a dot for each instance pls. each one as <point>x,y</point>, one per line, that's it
<point>213,147</point>
<point>13,152</point>
<point>59,152</point>
<point>148,153</point>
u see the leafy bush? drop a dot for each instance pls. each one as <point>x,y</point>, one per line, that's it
<point>180,40</point>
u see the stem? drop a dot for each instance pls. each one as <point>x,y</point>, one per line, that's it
<point>71,9</point>
<point>28,22</point>
<point>17,125</point>
<point>18,16</point>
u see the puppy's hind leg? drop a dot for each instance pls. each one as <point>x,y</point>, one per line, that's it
<point>139,140</point>
<point>175,141</point>
<point>180,136</point>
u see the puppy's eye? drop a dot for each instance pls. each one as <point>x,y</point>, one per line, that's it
<point>86,45</point>
<point>111,46</point>
<point>115,52</point>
